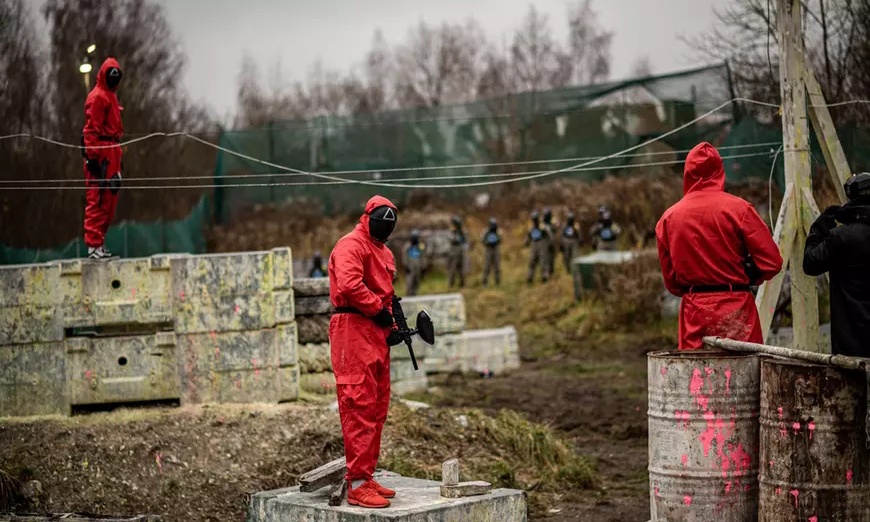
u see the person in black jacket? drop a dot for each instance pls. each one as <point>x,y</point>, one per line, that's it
<point>844,251</point>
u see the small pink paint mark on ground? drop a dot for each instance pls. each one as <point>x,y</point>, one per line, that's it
<point>684,459</point>
<point>813,519</point>
<point>237,309</point>
<point>849,476</point>
<point>687,500</point>
<point>778,491</point>
<point>811,426</point>
<point>181,295</point>
<point>796,426</point>
<point>795,493</point>
<point>728,380</point>
<point>779,412</point>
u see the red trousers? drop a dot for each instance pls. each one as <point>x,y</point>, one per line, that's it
<point>361,362</point>
<point>729,315</point>
<point>100,204</point>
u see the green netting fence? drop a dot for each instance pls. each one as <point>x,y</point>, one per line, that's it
<point>526,133</point>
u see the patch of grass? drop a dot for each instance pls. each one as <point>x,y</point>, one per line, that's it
<point>507,450</point>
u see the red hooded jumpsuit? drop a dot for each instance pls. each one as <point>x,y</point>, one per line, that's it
<point>102,128</point>
<point>703,241</point>
<point>361,272</point>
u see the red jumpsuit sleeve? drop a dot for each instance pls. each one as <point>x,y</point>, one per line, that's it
<point>96,109</point>
<point>668,273</point>
<point>348,263</point>
<point>760,245</point>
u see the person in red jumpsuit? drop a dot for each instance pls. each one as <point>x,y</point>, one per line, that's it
<point>361,273</point>
<point>101,139</point>
<point>712,247</point>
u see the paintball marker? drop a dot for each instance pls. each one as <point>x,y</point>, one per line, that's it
<point>424,328</point>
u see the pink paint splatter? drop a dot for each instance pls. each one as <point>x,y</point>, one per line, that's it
<point>727,487</point>
<point>237,309</point>
<point>88,375</point>
<point>238,383</point>
<point>683,417</point>
<point>778,491</point>
<point>796,426</point>
<point>159,459</point>
<point>795,494</point>
<point>664,370</point>
<point>811,427</point>
<point>217,353</point>
<point>256,370</point>
<point>181,295</point>
<point>708,371</point>
<point>728,380</point>
<point>782,431</point>
<point>133,293</point>
<point>813,519</point>
<point>656,490</point>
<point>695,385</point>
<point>849,476</point>
<point>706,437</point>
<point>684,459</point>
<point>746,488</point>
<point>779,412</point>
<point>687,500</point>
<point>213,334</point>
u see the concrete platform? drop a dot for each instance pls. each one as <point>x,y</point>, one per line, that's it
<point>416,501</point>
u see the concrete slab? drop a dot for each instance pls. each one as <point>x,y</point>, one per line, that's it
<point>314,358</point>
<point>416,501</point>
<point>29,299</point>
<point>33,380</point>
<point>446,310</point>
<point>313,328</point>
<point>311,287</point>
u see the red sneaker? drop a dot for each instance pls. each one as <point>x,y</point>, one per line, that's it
<point>382,491</point>
<point>366,496</point>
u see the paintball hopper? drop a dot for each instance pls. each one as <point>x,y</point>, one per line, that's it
<point>425,328</point>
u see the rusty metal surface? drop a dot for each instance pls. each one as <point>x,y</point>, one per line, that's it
<point>29,297</point>
<point>814,462</point>
<point>703,436</point>
<point>33,380</point>
<point>238,367</point>
<point>122,369</point>
<point>116,292</point>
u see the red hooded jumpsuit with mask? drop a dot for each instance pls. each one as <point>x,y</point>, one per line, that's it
<point>103,128</point>
<point>703,242</point>
<point>361,273</point>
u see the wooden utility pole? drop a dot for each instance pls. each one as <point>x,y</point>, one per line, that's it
<point>799,208</point>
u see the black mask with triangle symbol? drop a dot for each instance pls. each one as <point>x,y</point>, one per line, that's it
<point>382,222</point>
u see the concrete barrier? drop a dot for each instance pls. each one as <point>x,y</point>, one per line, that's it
<point>121,369</point>
<point>33,380</point>
<point>29,304</point>
<point>238,367</point>
<point>480,351</point>
<point>446,310</point>
<point>314,358</point>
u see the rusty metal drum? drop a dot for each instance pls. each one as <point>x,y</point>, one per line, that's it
<point>815,465</point>
<point>703,436</point>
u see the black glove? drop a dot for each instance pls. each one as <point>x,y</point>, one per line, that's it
<point>94,168</point>
<point>115,184</point>
<point>383,318</point>
<point>828,219</point>
<point>394,338</point>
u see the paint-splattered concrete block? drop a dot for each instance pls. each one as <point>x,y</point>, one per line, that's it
<point>307,306</point>
<point>447,355</point>
<point>29,299</point>
<point>228,292</point>
<point>320,383</point>
<point>404,379</point>
<point>400,351</point>
<point>238,367</point>
<point>107,370</point>
<point>311,287</point>
<point>314,358</point>
<point>492,351</point>
<point>313,328</point>
<point>116,292</point>
<point>282,266</point>
<point>416,501</point>
<point>33,380</point>
<point>450,472</point>
<point>466,489</point>
<point>446,310</point>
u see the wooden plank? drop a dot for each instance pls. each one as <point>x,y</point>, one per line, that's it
<point>339,491</point>
<point>804,298</point>
<point>820,116</point>
<point>784,235</point>
<point>326,475</point>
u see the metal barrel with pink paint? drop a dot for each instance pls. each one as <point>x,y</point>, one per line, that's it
<point>815,462</point>
<point>703,436</point>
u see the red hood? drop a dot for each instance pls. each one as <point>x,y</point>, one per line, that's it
<point>704,170</point>
<point>104,69</point>
<point>373,203</point>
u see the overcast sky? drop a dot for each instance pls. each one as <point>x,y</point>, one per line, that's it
<point>216,34</point>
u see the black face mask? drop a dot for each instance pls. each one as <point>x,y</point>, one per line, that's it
<point>113,77</point>
<point>570,221</point>
<point>382,222</point>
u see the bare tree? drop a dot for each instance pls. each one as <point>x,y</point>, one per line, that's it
<point>439,65</point>
<point>536,57</point>
<point>642,67</point>
<point>588,45</point>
